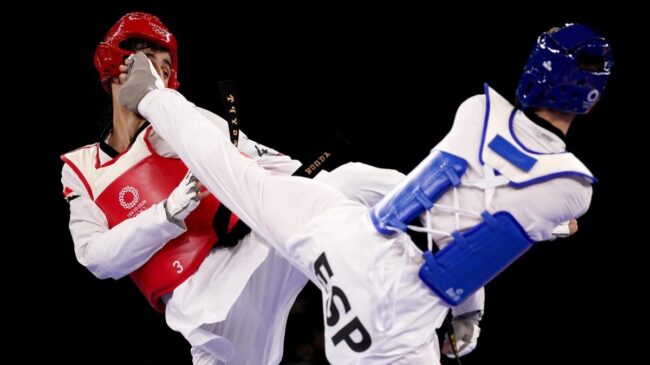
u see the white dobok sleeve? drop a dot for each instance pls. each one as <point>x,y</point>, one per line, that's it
<point>116,252</point>
<point>473,303</point>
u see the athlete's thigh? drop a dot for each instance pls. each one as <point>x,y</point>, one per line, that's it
<point>374,302</point>
<point>288,204</point>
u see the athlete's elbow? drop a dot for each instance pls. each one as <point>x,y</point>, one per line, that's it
<point>101,271</point>
<point>100,267</point>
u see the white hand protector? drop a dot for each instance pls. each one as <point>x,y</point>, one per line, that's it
<point>183,200</point>
<point>466,332</point>
<point>142,77</point>
<point>562,230</point>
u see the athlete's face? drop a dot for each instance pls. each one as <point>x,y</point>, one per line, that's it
<point>161,61</point>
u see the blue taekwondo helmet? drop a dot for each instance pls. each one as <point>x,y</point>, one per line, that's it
<point>567,70</point>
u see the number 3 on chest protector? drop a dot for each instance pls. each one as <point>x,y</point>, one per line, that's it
<point>177,265</point>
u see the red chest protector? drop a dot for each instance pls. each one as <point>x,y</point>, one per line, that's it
<point>147,179</point>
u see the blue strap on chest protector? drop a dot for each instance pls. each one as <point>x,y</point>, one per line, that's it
<point>473,258</point>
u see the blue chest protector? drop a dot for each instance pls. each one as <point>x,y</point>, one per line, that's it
<point>478,254</point>
<point>474,257</point>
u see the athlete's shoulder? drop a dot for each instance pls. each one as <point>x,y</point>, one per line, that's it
<point>470,113</point>
<point>472,105</point>
<point>78,151</point>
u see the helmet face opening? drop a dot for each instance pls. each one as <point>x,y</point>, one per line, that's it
<point>136,44</point>
<point>594,58</point>
<point>567,70</point>
<point>129,34</point>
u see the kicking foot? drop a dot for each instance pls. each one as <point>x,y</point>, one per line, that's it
<point>141,78</point>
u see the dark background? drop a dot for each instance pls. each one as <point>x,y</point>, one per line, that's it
<point>390,80</point>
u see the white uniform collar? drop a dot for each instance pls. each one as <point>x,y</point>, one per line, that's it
<point>522,151</point>
<point>535,137</point>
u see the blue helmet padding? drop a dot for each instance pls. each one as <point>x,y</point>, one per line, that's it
<point>567,70</point>
<point>572,36</point>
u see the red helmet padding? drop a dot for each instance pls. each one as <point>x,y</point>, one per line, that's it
<point>109,56</point>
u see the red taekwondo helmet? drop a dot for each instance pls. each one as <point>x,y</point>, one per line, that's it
<point>116,46</point>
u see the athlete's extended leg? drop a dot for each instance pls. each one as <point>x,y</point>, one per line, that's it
<point>384,318</point>
<point>274,206</point>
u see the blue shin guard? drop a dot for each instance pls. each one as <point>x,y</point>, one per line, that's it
<point>417,193</point>
<point>475,257</point>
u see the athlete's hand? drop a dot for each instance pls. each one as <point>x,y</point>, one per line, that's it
<point>565,229</point>
<point>184,199</point>
<point>466,332</point>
